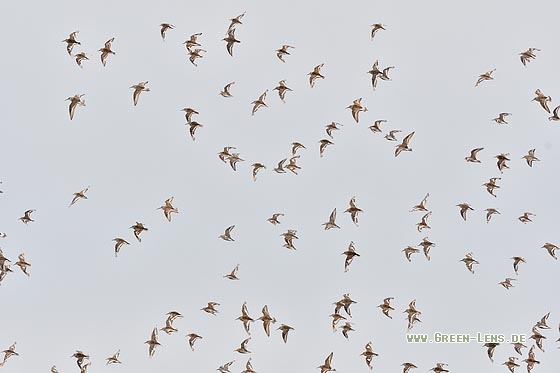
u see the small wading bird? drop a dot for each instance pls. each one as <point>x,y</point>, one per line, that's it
<point>472,156</point>
<point>347,327</point>
<point>469,262</point>
<point>192,338</point>
<point>139,88</point>
<point>550,248</point>
<point>315,74</point>
<point>391,135</point>
<point>75,101</point>
<point>274,219</point>
<point>376,27</point>
<point>230,41</point>
<point>243,348</point>
<point>23,264</point>
<point>511,364</point>
<point>501,163</point>
<point>525,218</point>
<point>326,366</point>
<point>191,42</point>
<point>193,126</point>
<point>279,169</point>
<point>333,126</point>
<point>80,358</point>
<point>71,42</point>
<point>285,330</point>
<point>119,243</point>
<point>530,157</point>
<point>266,320</point>
<point>356,107</point>
<point>79,195</point>
<point>555,115</point>
<point>233,274</point>
<point>408,251</point>
<point>194,54</point>
<point>501,119</point>
<point>528,55</point>
<point>368,355</point>
<point>211,308</point>
<point>376,126</point>
<point>189,113</point>
<point>227,234</point>
<point>289,237</point>
<point>236,21</point>
<point>80,57</point>
<point>407,367</point>
<point>153,342</point>
<point>164,28</point>
<point>423,224</point>
<point>491,185</point>
<point>282,88</point>
<point>507,283</point>
<point>168,208</point>
<point>106,51</point>
<point>114,359</point>
<point>350,254</point>
<point>225,92</point>
<point>486,76</point>
<point>323,145</point>
<point>464,208</point>
<point>426,246</point>
<point>439,368</point>
<point>404,145</point>
<point>280,53</point>
<point>296,146</point>
<point>542,99</point>
<point>516,261</point>
<point>259,102</point>
<point>353,210</point>
<point>11,351</point>
<point>386,307</point>
<point>489,212</point>
<point>331,223</point>
<point>256,168</point>
<point>422,205</point>
<point>26,218</point>
<point>138,228</point>
<point>225,368</point>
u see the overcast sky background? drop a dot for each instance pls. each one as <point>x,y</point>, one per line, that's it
<point>79,296</point>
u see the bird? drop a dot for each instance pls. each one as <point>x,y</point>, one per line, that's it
<point>376,126</point>
<point>385,73</point>
<point>486,76</point>
<point>350,254</point>
<point>353,210</point>
<point>139,88</point>
<point>551,248</point>
<point>74,102</point>
<point>80,57</point>
<point>274,218</point>
<point>168,208</point>
<point>189,113</point>
<point>119,243</point>
<point>368,355</point>
<point>531,361</point>
<point>258,103</point>
<point>555,115</point>
<point>138,228</point>
<point>236,21</point>
<point>404,145</point>
<point>511,364</point>
<point>282,88</point>
<point>225,368</point>
<point>501,163</point>
<point>192,338</point>
<point>516,261</point>
<point>9,352</point>
<point>542,323</point>
<point>525,218</point>
<point>315,74</point>
<point>194,54</point>
<point>336,317</point>
<point>227,234</point>
<point>233,274</point>
<point>439,368</point>
<point>407,367</point>
<point>408,251</point>
<point>285,330</point>
<point>267,320</point>
<point>249,367</point>
<point>323,145</point>
<point>391,135</point>
<point>331,223</point>
<point>356,107</point>
<point>79,195</point>
<point>230,41</point>
<point>464,208</point>
<point>537,337</point>
<point>489,212</point>
<point>114,359</point>
<point>347,327</point>
<point>333,126</point>
<point>192,41</point>
<point>472,157</point>
<point>172,316</point>
<point>280,53</point>
<point>386,307</point>
<point>211,308</point>
<point>375,72</point>
<point>326,366</point>
<point>256,168</point>
<point>501,119</point>
<point>530,157</point>
<point>542,99</point>
<point>423,224</point>
<point>233,159</point>
<point>289,237</point>
<point>224,154</point>
<point>26,218</point>
<point>469,262</point>
<point>296,146</point>
<point>345,302</point>
<point>169,329</point>
<point>71,42</point>
<point>491,185</point>
<point>53,369</point>
<point>528,55</point>
<point>422,205</point>
<point>193,126</point>
<point>80,358</point>
<point>507,282</point>
<point>106,51</point>
<point>243,348</point>
<point>376,27</point>
<point>164,28</point>
<point>280,167</point>
<point>225,92</point>
<point>153,342</point>
<point>517,346</point>
<point>292,164</point>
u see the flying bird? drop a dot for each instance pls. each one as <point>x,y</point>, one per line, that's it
<point>266,320</point>
<point>368,355</point>
<point>230,41</point>
<point>153,342</point>
<point>225,368</point>
<point>194,54</point>
<point>331,223</point>
<point>472,157</point>
<point>75,101</point>
<point>280,53</point>
<point>225,92</point>
<point>282,88</point>
<point>555,115</point>
<point>71,42</point>
<point>164,28</point>
<point>23,264</point>
<point>192,41</point>
<point>489,212</point>
<point>285,330</point>
<point>423,224</point>
<point>404,145</point>
<point>469,262</point>
<point>486,76</point>
<point>549,247</point>
<point>422,205</point>
<point>227,234</point>
<point>168,208</point>
<point>511,364</point>
<point>350,254</point>
<point>464,208</point>
<point>114,359</point>
<point>233,274</point>
<point>119,243</point>
<point>211,308</point>
<point>323,145</point>
<point>79,195</point>
<point>376,27</point>
<point>326,367</point>
<point>408,251</point>
<point>542,99</point>
<point>274,219</point>
<point>391,135</point>
<point>516,261</point>
<point>501,119</point>
<point>376,126</point>
<point>193,126</point>
<point>507,283</point>
<point>256,168</point>
<point>525,218</point>
<point>501,163</point>
<point>530,157</point>
<point>243,348</point>
<point>106,51</point>
<point>528,55</point>
<point>236,21</point>
<point>333,126</point>
<point>26,218</point>
<point>258,103</point>
<point>353,210</point>
<point>315,74</point>
<point>386,307</point>
<point>138,228</point>
<point>80,57</point>
<point>426,246</point>
<point>192,338</point>
<point>139,88</point>
<point>356,107</point>
<point>189,113</point>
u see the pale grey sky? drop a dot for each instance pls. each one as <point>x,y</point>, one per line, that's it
<point>79,296</point>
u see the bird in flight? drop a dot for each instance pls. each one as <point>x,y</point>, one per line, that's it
<point>530,157</point>
<point>79,195</point>
<point>233,274</point>
<point>236,21</point>
<point>282,88</point>
<point>404,145</point>
<point>333,126</point>
<point>74,102</point>
<point>516,261</point>
<point>472,157</point>
<point>164,28</point>
<point>274,218</point>
<point>350,254</point>
<point>525,218</point>
<point>26,218</point>
<point>138,228</point>
<point>114,359</point>
<point>542,99</point>
<point>106,51</point>
<point>353,210</point>
<point>501,119</point>
<point>139,88</point>
<point>168,208</point>
<point>486,76</point>
<point>71,42</point>
<point>119,243</point>
<point>315,74</point>
<point>280,53</point>
<point>225,92</point>
<point>356,107</point>
<point>153,342</point>
<point>469,262</point>
<point>386,307</point>
<point>376,27</point>
<point>551,248</point>
<point>227,234</point>
<point>230,41</point>
<point>258,103</point>
<point>368,355</point>
<point>326,366</point>
<point>489,212</point>
<point>528,55</point>
<point>332,221</point>
<point>285,330</point>
<point>79,57</point>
